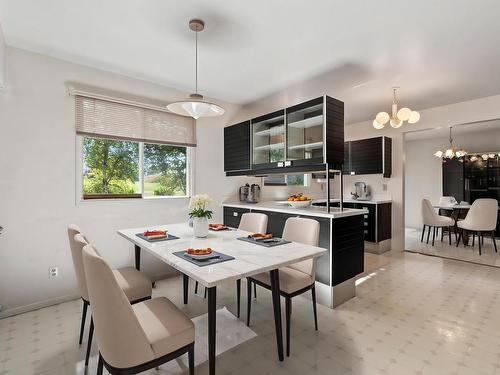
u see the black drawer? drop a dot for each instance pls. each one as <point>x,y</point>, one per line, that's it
<point>232,216</point>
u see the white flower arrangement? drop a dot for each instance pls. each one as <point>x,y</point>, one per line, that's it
<point>198,205</point>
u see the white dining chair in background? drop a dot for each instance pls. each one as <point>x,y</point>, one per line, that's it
<point>433,221</point>
<point>481,219</point>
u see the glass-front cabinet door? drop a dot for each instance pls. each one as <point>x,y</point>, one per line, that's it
<point>268,140</point>
<point>305,129</point>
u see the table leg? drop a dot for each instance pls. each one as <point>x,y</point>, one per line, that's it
<point>238,296</point>
<point>137,257</point>
<point>275,289</point>
<point>185,285</point>
<point>212,310</point>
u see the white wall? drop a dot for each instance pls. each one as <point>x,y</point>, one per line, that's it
<point>2,59</point>
<point>37,181</point>
<point>423,171</point>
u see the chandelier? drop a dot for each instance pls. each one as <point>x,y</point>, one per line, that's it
<point>398,117</point>
<point>452,151</point>
<point>195,106</point>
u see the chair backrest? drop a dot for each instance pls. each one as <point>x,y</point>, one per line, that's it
<point>305,231</point>
<point>120,337</point>
<point>482,215</point>
<point>429,214</point>
<point>76,247</point>
<point>253,222</point>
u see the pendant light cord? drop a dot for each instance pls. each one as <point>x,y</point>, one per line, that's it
<point>196,63</point>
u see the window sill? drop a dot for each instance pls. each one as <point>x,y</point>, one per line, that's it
<point>129,199</point>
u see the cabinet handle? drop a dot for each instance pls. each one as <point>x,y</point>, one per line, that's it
<point>366,216</point>
<point>288,163</point>
<point>235,214</point>
<point>365,231</point>
<point>280,164</point>
<point>366,224</point>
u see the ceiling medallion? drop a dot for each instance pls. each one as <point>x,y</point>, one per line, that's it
<point>195,106</point>
<point>398,117</point>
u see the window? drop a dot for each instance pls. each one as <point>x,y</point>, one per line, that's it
<point>131,149</point>
<point>165,170</point>
<point>113,169</point>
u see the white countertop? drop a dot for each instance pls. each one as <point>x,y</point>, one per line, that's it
<point>249,259</point>
<point>334,213</point>
<point>349,200</point>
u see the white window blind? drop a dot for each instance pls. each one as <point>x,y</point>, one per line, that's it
<point>108,119</point>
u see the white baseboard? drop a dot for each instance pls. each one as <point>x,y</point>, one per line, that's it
<point>37,305</point>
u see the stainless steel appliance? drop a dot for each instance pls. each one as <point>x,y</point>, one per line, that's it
<point>243,193</point>
<point>362,192</point>
<point>249,193</point>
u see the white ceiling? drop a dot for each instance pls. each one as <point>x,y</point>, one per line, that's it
<point>439,52</point>
<point>458,130</point>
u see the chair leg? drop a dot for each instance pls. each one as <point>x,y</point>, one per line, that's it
<point>442,233</point>
<point>474,239</point>
<point>89,343</point>
<point>196,287</point>
<point>249,300</point>
<point>423,232</point>
<point>313,292</point>
<point>99,365</point>
<point>238,296</point>
<point>84,317</point>
<point>205,293</point>
<point>479,241</point>
<point>428,234</point>
<point>465,233</point>
<point>255,290</point>
<point>288,313</point>
<point>191,359</point>
<point>460,233</point>
<point>493,239</point>
<point>449,234</point>
<point>433,235</point>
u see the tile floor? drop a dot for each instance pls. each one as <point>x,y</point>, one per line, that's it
<point>413,315</point>
<point>443,249</point>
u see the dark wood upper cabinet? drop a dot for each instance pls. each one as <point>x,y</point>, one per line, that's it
<point>368,156</point>
<point>237,147</point>
<point>300,138</point>
<point>453,179</point>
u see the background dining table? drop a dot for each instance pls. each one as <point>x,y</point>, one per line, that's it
<point>249,259</point>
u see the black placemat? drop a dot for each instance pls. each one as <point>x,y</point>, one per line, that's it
<point>168,238</point>
<point>205,262</point>
<point>279,241</point>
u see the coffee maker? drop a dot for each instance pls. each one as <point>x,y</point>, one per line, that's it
<point>361,192</point>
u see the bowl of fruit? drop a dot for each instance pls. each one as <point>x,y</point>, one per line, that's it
<point>299,201</point>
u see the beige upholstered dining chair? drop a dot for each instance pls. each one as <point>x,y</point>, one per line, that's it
<point>481,218</point>
<point>136,285</point>
<point>133,338</point>
<point>432,220</point>
<point>253,222</point>
<point>295,279</point>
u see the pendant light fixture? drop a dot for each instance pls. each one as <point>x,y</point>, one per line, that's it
<point>452,151</point>
<point>195,106</point>
<point>398,117</point>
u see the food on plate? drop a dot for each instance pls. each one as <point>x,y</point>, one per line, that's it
<point>155,233</point>
<point>217,226</point>
<point>203,251</point>
<point>298,198</point>
<point>257,236</point>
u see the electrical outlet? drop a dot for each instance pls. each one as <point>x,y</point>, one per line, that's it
<point>53,272</point>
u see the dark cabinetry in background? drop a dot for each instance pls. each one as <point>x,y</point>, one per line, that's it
<point>368,156</point>
<point>237,147</point>
<point>453,179</point>
<point>232,216</point>
<point>377,224</point>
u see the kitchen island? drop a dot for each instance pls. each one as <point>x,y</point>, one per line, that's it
<point>341,233</point>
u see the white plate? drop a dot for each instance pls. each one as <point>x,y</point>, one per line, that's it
<point>201,256</point>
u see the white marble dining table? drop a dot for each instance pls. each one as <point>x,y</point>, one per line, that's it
<point>249,259</point>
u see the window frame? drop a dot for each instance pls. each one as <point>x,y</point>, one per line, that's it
<point>190,162</point>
